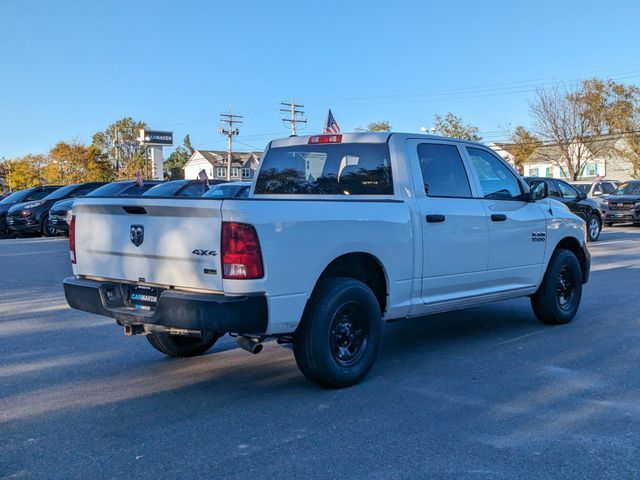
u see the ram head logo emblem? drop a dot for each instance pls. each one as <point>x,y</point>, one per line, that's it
<point>137,234</point>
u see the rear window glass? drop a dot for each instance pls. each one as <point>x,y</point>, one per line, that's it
<point>342,169</point>
<point>167,189</point>
<point>109,189</point>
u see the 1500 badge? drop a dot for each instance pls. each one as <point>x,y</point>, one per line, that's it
<point>204,253</point>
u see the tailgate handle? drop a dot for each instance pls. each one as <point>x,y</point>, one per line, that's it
<point>135,210</point>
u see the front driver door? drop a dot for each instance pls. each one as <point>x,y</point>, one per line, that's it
<point>517,228</point>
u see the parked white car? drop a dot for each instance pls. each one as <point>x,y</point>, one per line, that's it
<point>339,233</point>
<point>595,189</point>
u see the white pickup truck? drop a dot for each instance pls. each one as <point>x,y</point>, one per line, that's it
<point>339,233</point>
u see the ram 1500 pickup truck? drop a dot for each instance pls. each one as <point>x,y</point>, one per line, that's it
<point>339,233</point>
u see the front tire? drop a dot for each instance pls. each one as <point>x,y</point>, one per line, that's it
<point>594,227</point>
<point>557,300</point>
<point>48,230</point>
<point>181,346</point>
<point>338,339</point>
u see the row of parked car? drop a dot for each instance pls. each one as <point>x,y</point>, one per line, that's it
<point>46,210</point>
<point>606,202</point>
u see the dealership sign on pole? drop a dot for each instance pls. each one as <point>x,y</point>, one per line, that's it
<point>155,140</point>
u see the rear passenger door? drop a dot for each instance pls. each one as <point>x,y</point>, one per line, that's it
<point>517,228</point>
<point>454,223</point>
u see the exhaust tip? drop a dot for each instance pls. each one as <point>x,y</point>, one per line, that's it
<point>251,345</point>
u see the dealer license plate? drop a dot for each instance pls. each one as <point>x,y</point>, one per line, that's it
<point>144,298</point>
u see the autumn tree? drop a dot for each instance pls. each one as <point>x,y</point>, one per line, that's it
<point>522,144</point>
<point>583,122</point>
<point>72,162</point>
<point>127,155</point>
<point>452,126</point>
<point>24,172</point>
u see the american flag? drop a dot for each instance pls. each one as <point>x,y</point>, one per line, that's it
<point>331,126</point>
<point>202,175</point>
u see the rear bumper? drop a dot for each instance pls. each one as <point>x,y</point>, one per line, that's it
<point>175,309</point>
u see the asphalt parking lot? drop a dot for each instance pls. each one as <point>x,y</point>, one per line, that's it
<point>483,393</point>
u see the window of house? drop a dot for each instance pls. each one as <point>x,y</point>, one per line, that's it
<point>221,172</point>
<point>246,173</point>
<point>235,171</point>
<point>443,172</point>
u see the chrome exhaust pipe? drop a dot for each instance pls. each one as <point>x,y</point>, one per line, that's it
<point>251,345</point>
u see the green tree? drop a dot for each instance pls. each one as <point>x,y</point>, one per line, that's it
<point>127,156</point>
<point>452,126</point>
<point>178,158</point>
<point>24,172</point>
<point>381,126</point>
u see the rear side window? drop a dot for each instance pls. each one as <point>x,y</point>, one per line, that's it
<point>341,169</point>
<point>194,190</point>
<point>443,173</point>
<point>497,180</point>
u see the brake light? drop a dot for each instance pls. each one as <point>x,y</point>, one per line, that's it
<point>241,255</point>
<point>72,239</point>
<point>325,139</point>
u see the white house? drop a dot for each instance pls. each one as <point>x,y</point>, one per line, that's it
<point>214,163</point>
<point>608,162</point>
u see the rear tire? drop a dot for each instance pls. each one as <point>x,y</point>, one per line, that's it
<point>181,346</point>
<point>594,227</point>
<point>337,341</point>
<point>557,300</point>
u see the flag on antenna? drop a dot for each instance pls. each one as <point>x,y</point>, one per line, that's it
<point>331,126</point>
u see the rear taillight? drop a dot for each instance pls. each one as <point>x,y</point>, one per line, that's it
<point>72,239</point>
<point>325,139</point>
<point>241,255</point>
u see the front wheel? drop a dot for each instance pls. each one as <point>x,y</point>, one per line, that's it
<point>338,339</point>
<point>593,228</point>
<point>558,298</point>
<point>181,346</point>
<point>48,229</point>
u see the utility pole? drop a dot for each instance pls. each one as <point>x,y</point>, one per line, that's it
<point>116,149</point>
<point>295,116</point>
<point>230,120</point>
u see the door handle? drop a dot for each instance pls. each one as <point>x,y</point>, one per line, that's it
<point>498,217</point>
<point>435,218</point>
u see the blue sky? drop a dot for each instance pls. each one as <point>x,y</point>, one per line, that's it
<point>69,68</point>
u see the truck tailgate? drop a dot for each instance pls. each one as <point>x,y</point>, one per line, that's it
<point>169,242</point>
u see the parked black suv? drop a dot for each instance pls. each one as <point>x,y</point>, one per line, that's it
<point>623,205</point>
<point>60,213</point>
<point>27,195</point>
<point>33,217</point>
<point>578,203</point>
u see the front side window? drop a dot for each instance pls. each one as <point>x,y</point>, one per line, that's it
<point>336,169</point>
<point>553,190</point>
<point>194,190</point>
<point>497,180</point>
<point>443,172</point>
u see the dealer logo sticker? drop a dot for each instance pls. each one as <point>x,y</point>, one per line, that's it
<point>137,234</point>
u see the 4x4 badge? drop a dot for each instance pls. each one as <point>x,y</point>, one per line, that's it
<point>136,235</point>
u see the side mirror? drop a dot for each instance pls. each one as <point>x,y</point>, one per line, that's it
<point>539,190</point>
<point>582,195</point>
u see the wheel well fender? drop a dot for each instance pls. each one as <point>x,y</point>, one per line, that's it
<point>360,266</point>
